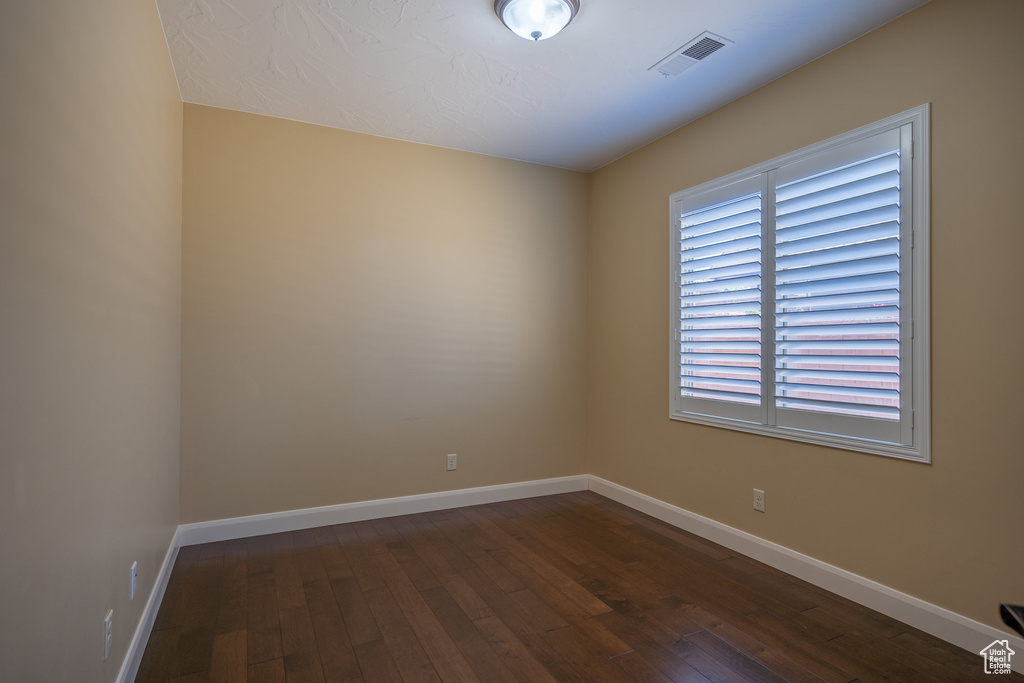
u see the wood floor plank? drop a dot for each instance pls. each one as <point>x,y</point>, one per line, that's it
<point>159,656</point>
<point>233,607</point>
<point>696,582</point>
<point>568,587</point>
<point>229,658</point>
<point>260,554</point>
<point>324,535</point>
<point>475,648</point>
<point>580,660</point>
<point>689,579</point>
<point>797,623</point>
<point>412,565</point>
<point>188,554</point>
<point>298,642</point>
<point>543,549</point>
<point>552,592</point>
<point>547,596</point>
<point>535,506</point>
<point>604,538</point>
<point>780,588</point>
<point>307,557</point>
<point>337,658</point>
<point>359,620</point>
<point>376,663</point>
<point>709,665</point>
<point>736,660</point>
<point>962,663</point>
<point>637,668</point>
<point>271,671</point>
<point>623,587</point>
<point>516,656</point>
<point>828,651</point>
<point>662,658</point>
<point>785,637</point>
<point>521,605</point>
<point>335,562</point>
<point>372,542</point>
<point>752,648</point>
<point>507,508</point>
<point>545,531</point>
<point>209,551</point>
<point>196,677</point>
<point>358,556</point>
<point>848,618</point>
<point>424,541</point>
<point>410,658</point>
<point>263,634</point>
<point>527,606</point>
<point>894,661</point>
<point>447,659</point>
<point>195,647</point>
<point>287,577</point>
<point>469,544</point>
<point>669,632</point>
<point>524,617</point>
<point>685,538</point>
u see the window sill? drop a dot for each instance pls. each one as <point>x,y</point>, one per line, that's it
<point>914,453</point>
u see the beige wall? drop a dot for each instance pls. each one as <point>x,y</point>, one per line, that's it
<point>949,533</point>
<point>356,308</point>
<point>90,273</point>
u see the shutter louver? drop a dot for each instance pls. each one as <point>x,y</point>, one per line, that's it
<point>720,302</point>
<point>837,298</point>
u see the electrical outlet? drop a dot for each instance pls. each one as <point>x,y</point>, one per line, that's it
<point>108,633</point>
<point>135,578</point>
<point>452,457</point>
<point>759,500</point>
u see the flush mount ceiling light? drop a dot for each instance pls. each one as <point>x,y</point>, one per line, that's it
<point>536,19</point>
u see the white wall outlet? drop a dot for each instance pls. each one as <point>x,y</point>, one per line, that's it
<point>135,578</point>
<point>108,633</point>
<point>759,500</point>
<point>452,457</point>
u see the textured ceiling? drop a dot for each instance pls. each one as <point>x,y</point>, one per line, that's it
<point>447,73</point>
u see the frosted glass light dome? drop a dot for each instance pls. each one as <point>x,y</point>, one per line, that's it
<point>536,19</point>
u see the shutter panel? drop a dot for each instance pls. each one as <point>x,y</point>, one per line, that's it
<point>799,294</point>
<point>837,291</point>
<point>719,276</point>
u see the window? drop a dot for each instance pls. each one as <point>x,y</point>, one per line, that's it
<point>799,303</point>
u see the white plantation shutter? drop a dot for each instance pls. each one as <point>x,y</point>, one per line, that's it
<point>719,276</point>
<point>797,289</point>
<point>837,290</point>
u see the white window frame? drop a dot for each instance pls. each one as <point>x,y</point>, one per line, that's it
<point>915,394</point>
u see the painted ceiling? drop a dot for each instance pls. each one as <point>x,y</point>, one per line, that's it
<point>448,73</point>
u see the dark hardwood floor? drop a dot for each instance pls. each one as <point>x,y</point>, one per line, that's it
<point>572,587</point>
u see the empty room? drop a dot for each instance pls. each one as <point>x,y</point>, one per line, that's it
<point>511,340</point>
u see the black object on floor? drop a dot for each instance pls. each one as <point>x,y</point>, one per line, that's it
<point>1013,616</point>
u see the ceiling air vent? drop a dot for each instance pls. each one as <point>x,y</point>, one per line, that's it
<point>688,55</point>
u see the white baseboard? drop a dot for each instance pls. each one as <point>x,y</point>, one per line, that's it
<point>954,628</point>
<point>132,658</point>
<point>292,520</point>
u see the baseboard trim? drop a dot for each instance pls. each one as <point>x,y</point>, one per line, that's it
<point>133,658</point>
<point>292,520</point>
<point>954,628</point>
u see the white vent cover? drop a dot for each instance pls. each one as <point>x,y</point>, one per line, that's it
<point>699,48</point>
